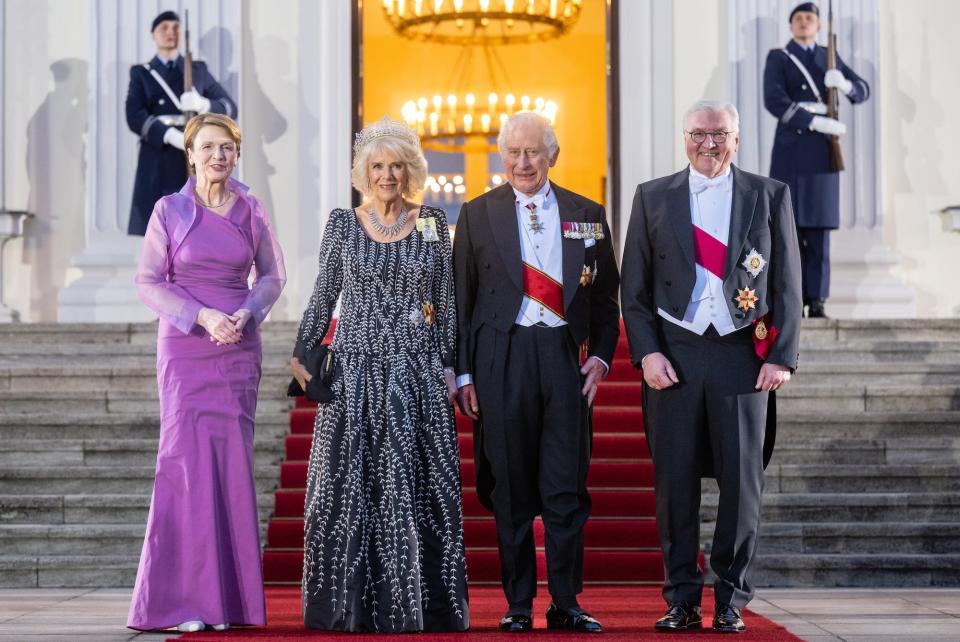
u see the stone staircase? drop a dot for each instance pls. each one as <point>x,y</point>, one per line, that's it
<point>863,486</point>
<point>862,489</point>
<point>79,423</point>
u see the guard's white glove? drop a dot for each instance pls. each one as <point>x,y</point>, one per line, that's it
<point>174,137</point>
<point>192,101</point>
<point>814,108</point>
<point>830,126</point>
<point>835,78</point>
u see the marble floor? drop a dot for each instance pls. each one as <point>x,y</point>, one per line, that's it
<point>853,615</point>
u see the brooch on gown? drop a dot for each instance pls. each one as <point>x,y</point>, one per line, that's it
<point>754,263</point>
<point>428,228</point>
<point>425,314</point>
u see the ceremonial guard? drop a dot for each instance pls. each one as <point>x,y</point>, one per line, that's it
<point>711,306</point>
<point>536,281</point>
<point>797,82</point>
<point>157,108</point>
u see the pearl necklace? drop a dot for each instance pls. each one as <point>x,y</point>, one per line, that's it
<point>388,231</point>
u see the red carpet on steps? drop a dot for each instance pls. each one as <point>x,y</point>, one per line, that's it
<point>621,537</point>
<point>627,613</point>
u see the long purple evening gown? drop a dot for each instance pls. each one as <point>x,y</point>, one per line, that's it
<point>201,554</point>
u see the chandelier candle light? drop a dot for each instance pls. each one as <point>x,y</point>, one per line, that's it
<point>461,116</point>
<point>481,22</point>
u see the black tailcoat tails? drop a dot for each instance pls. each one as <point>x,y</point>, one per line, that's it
<point>713,422</point>
<point>161,168</point>
<point>532,443</point>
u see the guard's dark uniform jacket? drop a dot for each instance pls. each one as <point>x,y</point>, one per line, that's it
<point>161,168</point>
<point>801,157</point>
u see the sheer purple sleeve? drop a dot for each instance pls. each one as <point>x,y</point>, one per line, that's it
<point>270,275</point>
<point>170,301</point>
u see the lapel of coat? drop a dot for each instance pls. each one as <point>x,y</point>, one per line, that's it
<point>502,217</point>
<point>573,250</point>
<point>741,216</point>
<point>678,212</point>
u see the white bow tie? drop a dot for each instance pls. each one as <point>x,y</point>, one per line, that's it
<point>536,199</point>
<point>699,183</point>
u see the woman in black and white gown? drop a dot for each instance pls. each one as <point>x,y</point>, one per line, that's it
<point>384,546</point>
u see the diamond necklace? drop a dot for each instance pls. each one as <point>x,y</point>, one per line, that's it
<point>388,231</point>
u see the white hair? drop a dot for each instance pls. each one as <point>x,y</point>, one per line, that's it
<point>715,106</point>
<point>530,118</point>
<point>409,154</point>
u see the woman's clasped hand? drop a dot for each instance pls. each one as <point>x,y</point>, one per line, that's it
<point>224,329</point>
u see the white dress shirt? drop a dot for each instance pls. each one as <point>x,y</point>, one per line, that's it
<point>543,251</point>
<point>711,202</point>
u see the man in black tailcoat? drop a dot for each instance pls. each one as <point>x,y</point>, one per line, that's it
<point>795,84</point>
<point>711,306</point>
<point>536,280</point>
<point>156,106</point>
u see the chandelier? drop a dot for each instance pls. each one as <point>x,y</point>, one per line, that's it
<point>459,124</point>
<point>481,22</point>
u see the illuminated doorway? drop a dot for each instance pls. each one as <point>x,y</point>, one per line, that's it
<point>569,70</point>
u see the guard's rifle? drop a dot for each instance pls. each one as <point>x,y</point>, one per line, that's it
<point>187,60</point>
<point>833,98</point>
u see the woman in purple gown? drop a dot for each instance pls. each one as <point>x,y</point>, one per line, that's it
<point>200,563</point>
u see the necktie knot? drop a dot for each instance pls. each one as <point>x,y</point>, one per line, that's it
<point>699,183</point>
<point>170,65</point>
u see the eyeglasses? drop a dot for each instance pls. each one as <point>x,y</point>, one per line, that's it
<point>717,137</point>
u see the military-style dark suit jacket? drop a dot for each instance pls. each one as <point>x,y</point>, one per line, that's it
<point>659,269</point>
<point>801,157</point>
<point>161,168</point>
<point>489,278</point>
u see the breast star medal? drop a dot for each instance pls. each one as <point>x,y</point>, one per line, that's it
<point>429,313</point>
<point>428,228</point>
<point>746,299</point>
<point>754,263</point>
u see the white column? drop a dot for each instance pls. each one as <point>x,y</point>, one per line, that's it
<point>863,284</point>
<point>325,73</point>
<point>120,37</point>
<point>647,111</point>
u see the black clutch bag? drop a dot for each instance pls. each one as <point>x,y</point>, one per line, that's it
<point>322,366</point>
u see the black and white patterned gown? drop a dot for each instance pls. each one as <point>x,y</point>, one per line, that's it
<point>384,544</point>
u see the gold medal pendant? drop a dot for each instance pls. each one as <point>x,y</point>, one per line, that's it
<point>586,276</point>
<point>760,330</point>
<point>746,299</point>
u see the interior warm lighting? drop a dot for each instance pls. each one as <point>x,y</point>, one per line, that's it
<point>482,22</point>
<point>451,124</point>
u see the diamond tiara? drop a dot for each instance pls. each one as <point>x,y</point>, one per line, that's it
<point>385,127</point>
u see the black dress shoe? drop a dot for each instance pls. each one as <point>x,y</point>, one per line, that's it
<point>680,616</point>
<point>572,620</point>
<point>815,309</point>
<point>727,619</point>
<point>516,623</point>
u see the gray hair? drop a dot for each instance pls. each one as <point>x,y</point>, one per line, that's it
<point>530,118</point>
<point>715,106</point>
<point>408,153</point>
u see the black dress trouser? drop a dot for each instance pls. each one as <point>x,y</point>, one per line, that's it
<point>714,414</point>
<point>536,436</point>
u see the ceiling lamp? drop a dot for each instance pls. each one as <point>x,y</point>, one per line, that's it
<point>464,124</point>
<point>481,22</point>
